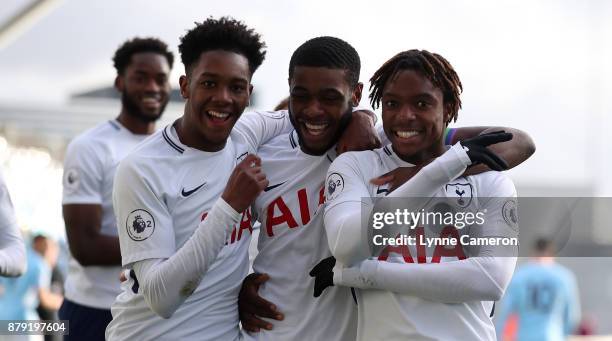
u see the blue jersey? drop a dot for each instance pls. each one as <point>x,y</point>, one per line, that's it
<point>544,297</point>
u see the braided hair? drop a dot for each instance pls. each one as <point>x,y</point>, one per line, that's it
<point>431,65</point>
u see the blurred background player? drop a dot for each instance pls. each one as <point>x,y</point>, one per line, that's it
<point>12,249</point>
<point>50,295</point>
<point>143,66</point>
<point>20,297</point>
<point>542,299</point>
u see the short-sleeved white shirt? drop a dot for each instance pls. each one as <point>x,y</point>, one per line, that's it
<point>171,188</point>
<point>89,169</point>
<point>292,241</point>
<point>384,315</point>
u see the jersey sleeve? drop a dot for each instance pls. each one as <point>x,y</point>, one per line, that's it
<point>258,127</point>
<point>144,223</point>
<point>499,205</point>
<point>344,190</point>
<point>83,173</point>
<point>345,181</point>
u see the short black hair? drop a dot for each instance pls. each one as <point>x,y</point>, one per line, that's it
<point>328,52</point>
<point>431,65</point>
<point>226,34</point>
<point>124,53</point>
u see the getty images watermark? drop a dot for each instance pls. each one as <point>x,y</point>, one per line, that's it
<point>442,227</point>
<point>464,225</point>
<point>451,220</point>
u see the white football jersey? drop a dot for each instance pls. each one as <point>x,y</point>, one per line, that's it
<point>89,170</point>
<point>292,241</point>
<point>385,315</point>
<point>172,189</point>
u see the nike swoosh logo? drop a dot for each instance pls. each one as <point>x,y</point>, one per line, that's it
<point>190,192</point>
<point>269,188</point>
<point>241,156</point>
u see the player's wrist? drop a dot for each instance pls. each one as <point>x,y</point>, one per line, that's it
<point>360,276</point>
<point>228,209</point>
<point>449,165</point>
<point>235,203</point>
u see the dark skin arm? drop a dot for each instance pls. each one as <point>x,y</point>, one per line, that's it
<point>360,134</point>
<point>87,245</point>
<point>514,152</point>
<point>251,306</point>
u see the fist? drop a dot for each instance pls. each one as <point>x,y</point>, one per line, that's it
<point>245,183</point>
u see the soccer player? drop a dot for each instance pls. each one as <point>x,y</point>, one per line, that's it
<point>544,296</point>
<point>324,90</point>
<point>419,92</point>
<point>143,67</point>
<point>323,81</point>
<point>12,248</point>
<point>182,197</point>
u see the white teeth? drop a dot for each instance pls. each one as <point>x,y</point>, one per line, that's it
<point>218,114</point>
<point>406,134</point>
<point>311,126</point>
<point>149,100</point>
<point>315,129</point>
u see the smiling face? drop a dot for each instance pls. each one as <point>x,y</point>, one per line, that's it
<point>144,86</point>
<point>414,116</point>
<point>217,90</point>
<point>319,100</point>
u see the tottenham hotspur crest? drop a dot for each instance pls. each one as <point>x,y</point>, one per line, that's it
<point>463,193</point>
<point>140,225</point>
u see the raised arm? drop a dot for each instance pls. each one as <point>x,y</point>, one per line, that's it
<point>166,282</point>
<point>258,127</point>
<point>515,151</point>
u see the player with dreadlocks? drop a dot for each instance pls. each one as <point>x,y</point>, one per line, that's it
<point>398,298</point>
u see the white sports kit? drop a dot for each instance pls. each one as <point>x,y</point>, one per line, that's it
<point>292,241</point>
<point>186,247</point>
<point>402,299</point>
<point>89,170</point>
